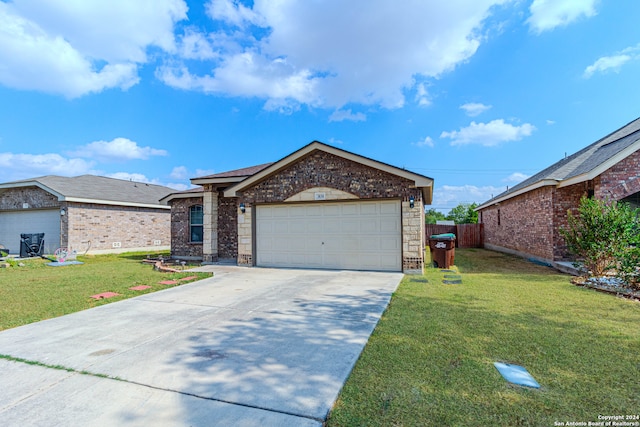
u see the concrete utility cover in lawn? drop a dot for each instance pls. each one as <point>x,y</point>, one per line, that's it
<point>249,347</point>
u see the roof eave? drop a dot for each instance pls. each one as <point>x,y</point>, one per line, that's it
<point>181,195</point>
<point>228,180</point>
<point>114,203</point>
<point>601,168</point>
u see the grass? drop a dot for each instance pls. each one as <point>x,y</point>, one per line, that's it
<point>36,291</point>
<point>430,360</point>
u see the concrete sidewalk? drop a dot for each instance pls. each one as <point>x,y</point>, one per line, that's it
<point>248,347</point>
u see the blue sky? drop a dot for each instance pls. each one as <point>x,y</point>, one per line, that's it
<point>477,94</point>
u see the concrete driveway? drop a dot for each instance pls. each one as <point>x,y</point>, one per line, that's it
<point>248,347</point>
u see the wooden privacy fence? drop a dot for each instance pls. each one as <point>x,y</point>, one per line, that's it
<point>467,235</point>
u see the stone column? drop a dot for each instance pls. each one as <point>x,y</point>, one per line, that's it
<point>210,226</point>
<point>245,237</point>
<point>412,237</point>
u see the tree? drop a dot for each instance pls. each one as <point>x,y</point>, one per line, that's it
<point>464,213</point>
<point>432,215</point>
<point>601,234</point>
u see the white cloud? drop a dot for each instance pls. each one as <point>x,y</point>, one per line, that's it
<point>450,196</point>
<point>549,14</point>
<point>422,96</point>
<point>84,47</point>
<point>613,62</point>
<point>488,134</point>
<point>179,172</point>
<point>316,53</point>
<point>516,177</point>
<point>341,115</point>
<point>22,166</point>
<point>119,149</point>
<point>233,12</point>
<point>196,45</point>
<point>137,177</point>
<point>427,142</point>
<point>473,109</point>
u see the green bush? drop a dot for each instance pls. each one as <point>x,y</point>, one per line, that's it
<point>601,235</point>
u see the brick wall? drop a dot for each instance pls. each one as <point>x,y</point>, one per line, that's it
<point>180,234</point>
<point>621,180</point>
<point>15,198</point>
<point>322,169</point>
<point>97,227</point>
<point>525,223</point>
<point>227,227</point>
<point>566,198</point>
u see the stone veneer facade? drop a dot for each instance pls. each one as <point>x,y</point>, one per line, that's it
<point>529,224</point>
<point>96,227</point>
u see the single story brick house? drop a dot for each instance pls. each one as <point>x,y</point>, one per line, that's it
<point>88,213</point>
<point>526,219</point>
<point>319,207</point>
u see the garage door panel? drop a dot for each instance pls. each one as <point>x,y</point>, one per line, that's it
<point>390,208</point>
<point>388,225</point>
<point>344,235</point>
<point>369,209</point>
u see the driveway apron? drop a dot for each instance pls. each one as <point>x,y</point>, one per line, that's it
<point>247,347</point>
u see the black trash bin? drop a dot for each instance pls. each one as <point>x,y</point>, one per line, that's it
<point>443,249</point>
<point>31,245</point>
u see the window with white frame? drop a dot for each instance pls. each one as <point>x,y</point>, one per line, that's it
<point>196,230</point>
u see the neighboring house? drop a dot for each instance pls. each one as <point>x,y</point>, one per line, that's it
<point>86,213</point>
<point>526,219</point>
<point>319,207</point>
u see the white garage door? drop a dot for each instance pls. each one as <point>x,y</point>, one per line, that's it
<point>349,235</point>
<point>12,224</point>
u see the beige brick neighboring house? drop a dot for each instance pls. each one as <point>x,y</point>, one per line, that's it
<point>526,219</point>
<point>87,213</point>
<point>319,207</point>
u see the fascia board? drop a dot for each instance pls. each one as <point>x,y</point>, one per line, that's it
<point>114,203</point>
<point>228,180</point>
<point>182,196</point>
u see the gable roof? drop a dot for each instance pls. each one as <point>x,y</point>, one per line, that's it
<point>97,189</point>
<point>423,182</point>
<point>582,166</point>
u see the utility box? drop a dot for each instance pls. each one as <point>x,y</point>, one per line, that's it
<point>31,245</point>
<point>443,249</point>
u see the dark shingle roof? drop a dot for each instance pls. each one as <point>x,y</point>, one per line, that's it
<point>100,188</point>
<point>238,172</point>
<point>584,161</point>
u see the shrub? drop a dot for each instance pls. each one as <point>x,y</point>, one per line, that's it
<point>601,234</point>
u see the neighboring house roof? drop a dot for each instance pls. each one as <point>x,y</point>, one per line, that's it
<point>582,166</point>
<point>97,189</point>
<point>423,182</point>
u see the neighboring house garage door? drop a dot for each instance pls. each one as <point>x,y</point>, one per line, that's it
<point>12,224</point>
<point>348,235</point>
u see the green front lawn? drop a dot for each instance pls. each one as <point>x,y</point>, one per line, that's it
<point>430,360</point>
<point>36,291</point>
